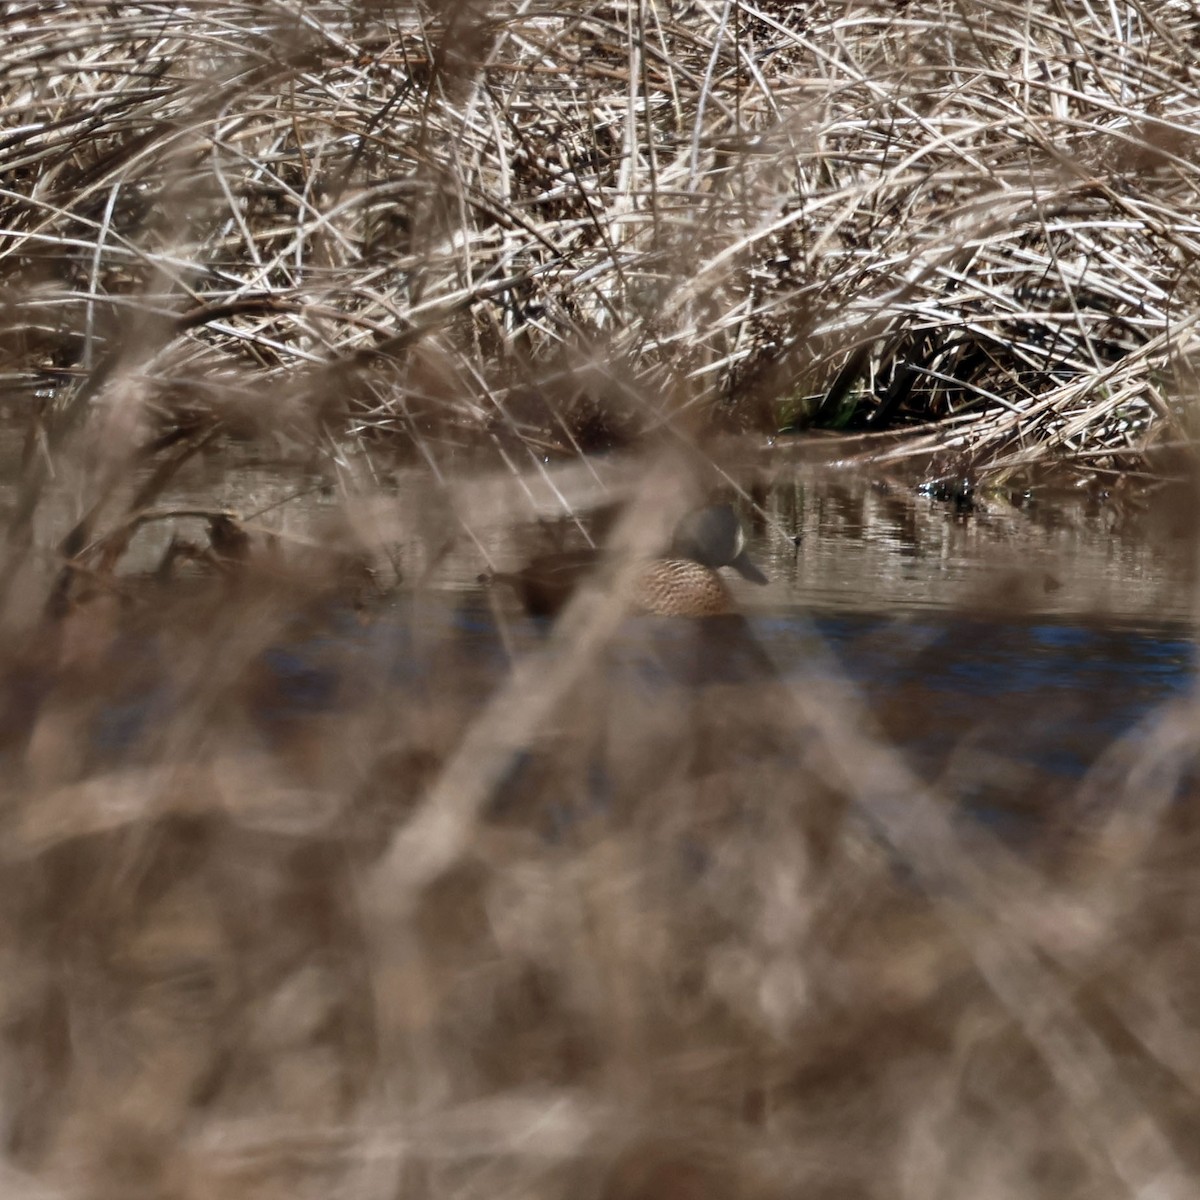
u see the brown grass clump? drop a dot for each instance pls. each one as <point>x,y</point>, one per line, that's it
<point>563,226</point>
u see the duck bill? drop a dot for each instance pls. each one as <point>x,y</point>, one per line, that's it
<point>746,569</point>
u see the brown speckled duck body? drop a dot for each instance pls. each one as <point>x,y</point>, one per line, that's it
<point>683,583</point>
<point>679,587</point>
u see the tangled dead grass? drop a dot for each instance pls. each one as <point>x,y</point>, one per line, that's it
<point>378,914</point>
<point>562,226</point>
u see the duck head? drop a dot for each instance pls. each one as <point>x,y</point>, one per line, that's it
<point>714,538</point>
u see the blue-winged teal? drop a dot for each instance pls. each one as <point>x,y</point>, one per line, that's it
<point>682,583</point>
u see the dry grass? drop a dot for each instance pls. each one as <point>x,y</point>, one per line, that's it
<point>376,915</point>
<point>380,914</point>
<point>565,225</point>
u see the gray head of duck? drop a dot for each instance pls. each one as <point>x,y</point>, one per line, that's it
<point>714,538</point>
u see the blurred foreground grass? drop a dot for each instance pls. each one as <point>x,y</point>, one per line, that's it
<point>298,905</point>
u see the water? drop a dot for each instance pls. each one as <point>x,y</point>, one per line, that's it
<point>1002,650</point>
<point>1003,717</point>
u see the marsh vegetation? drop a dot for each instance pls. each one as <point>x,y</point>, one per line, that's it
<point>328,872</point>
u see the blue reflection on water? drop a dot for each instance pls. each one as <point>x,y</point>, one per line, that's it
<point>1053,694</point>
<point>1050,695</point>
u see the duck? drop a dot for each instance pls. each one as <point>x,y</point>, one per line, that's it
<point>683,582</point>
